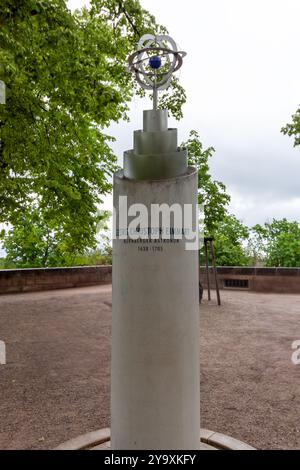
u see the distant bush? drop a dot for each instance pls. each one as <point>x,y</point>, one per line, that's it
<point>92,258</point>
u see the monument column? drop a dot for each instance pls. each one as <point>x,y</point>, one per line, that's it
<point>155,402</point>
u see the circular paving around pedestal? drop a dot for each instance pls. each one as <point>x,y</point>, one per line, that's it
<point>100,440</point>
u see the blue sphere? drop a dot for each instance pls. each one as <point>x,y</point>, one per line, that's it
<point>155,62</point>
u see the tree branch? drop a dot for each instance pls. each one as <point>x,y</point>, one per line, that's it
<point>127,16</point>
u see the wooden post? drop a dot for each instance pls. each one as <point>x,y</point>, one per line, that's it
<point>207,269</point>
<point>215,270</point>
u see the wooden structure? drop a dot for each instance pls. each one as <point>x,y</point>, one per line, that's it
<point>209,243</point>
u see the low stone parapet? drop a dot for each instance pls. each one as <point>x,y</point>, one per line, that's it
<point>284,280</point>
<point>37,279</point>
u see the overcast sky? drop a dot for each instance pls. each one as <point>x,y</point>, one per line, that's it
<point>242,77</point>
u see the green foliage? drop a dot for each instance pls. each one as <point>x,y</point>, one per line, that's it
<point>174,100</point>
<point>4,264</point>
<point>30,243</point>
<point>228,232</point>
<point>96,257</point>
<point>36,242</point>
<point>293,129</point>
<point>255,248</point>
<point>279,242</point>
<point>230,238</point>
<point>211,194</point>
<point>66,80</point>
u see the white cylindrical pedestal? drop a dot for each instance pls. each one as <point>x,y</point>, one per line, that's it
<point>155,396</point>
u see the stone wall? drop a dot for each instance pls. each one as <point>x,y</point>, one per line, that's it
<point>28,280</point>
<point>285,280</point>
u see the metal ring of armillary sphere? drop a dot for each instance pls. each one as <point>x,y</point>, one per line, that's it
<point>156,59</point>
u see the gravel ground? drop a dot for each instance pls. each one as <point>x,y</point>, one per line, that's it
<point>56,382</point>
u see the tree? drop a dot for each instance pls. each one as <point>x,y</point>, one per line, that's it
<point>255,248</point>
<point>34,242</point>
<point>293,129</point>
<point>280,242</point>
<point>211,194</point>
<point>31,243</point>
<point>212,197</point>
<point>66,80</point>
<point>230,238</point>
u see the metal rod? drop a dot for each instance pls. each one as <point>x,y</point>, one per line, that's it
<point>215,270</point>
<point>207,272</point>
<point>155,98</point>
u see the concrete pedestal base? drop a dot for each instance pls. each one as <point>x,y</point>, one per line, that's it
<point>100,440</point>
<point>155,316</point>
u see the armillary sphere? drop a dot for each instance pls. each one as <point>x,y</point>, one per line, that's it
<point>153,64</point>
